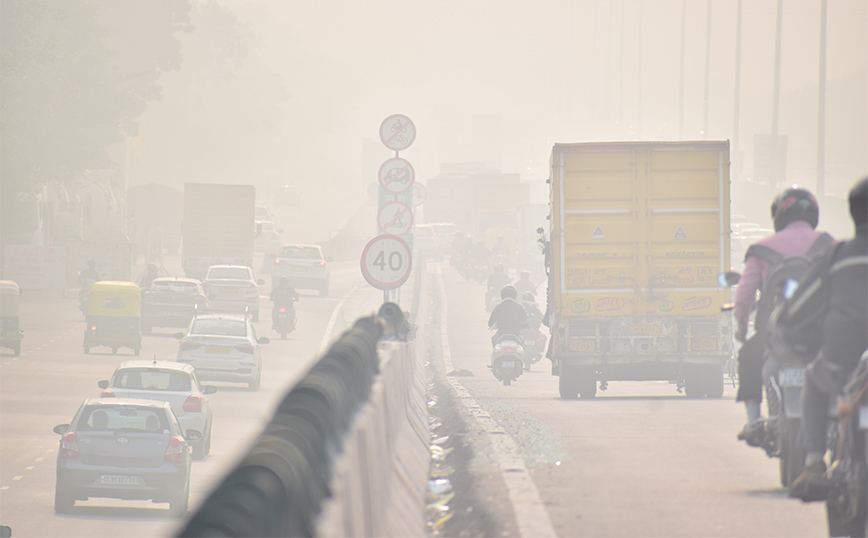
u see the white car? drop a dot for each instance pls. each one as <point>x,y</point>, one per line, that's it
<point>223,348</point>
<point>232,288</point>
<point>425,242</point>
<point>304,266</point>
<point>266,237</point>
<point>169,382</point>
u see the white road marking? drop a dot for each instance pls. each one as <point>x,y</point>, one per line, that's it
<point>40,458</point>
<point>530,512</point>
<point>19,477</point>
<point>334,319</point>
<point>29,468</point>
<point>3,488</point>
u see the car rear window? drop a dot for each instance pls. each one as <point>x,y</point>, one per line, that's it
<point>175,287</point>
<point>233,273</point>
<point>305,253</point>
<point>105,418</point>
<point>220,327</point>
<point>152,380</point>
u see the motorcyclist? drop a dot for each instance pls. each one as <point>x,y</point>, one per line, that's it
<point>283,296</point>
<point>534,316</point>
<point>509,316</point>
<point>795,214</point>
<point>841,279</point>
<point>496,281</point>
<point>525,285</point>
<point>89,274</point>
<point>151,273</point>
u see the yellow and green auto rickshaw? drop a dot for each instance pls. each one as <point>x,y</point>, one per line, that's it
<point>10,334</point>
<point>113,313</point>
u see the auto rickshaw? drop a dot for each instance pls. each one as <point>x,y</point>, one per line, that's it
<point>113,314</point>
<point>10,334</point>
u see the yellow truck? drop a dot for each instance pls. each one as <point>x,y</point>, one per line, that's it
<point>639,233</point>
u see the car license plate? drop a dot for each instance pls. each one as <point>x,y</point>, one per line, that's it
<point>791,377</point>
<point>300,269</point>
<point>120,480</point>
<point>863,417</point>
<point>216,349</point>
<point>507,364</point>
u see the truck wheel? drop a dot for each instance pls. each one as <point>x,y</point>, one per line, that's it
<point>588,383</point>
<point>568,382</point>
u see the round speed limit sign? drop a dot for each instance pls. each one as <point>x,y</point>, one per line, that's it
<point>386,262</point>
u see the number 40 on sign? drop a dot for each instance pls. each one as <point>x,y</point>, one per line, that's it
<point>386,262</point>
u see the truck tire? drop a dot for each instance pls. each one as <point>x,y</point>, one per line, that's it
<point>588,383</point>
<point>568,385</point>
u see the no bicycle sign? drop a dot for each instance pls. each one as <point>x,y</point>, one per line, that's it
<point>397,132</point>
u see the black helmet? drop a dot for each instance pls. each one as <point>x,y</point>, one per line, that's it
<point>795,204</point>
<point>528,296</point>
<point>507,291</point>
<point>499,268</point>
<point>283,281</point>
<point>859,203</point>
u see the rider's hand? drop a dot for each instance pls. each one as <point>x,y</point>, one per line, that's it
<point>740,334</point>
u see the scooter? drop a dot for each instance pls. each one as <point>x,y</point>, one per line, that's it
<point>847,499</point>
<point>284,321</point>
<point>507,358</point>
<point>534,346</point>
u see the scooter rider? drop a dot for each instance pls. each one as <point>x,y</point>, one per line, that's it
<point>496,281</point>
<point>508,316</point>
<point>843,338</point>
<point>534,316</point>
<point>795,214</point>
<point>283,296</point>
<point>525,285</point>
<point>148,278</point>
<point>88,274</point>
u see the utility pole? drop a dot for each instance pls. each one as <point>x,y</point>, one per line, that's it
<point>707,70</point>
<point>681,77</point>
<point>821,109</point>
<point>736,104</point>
<point>639,82</point>
<point>776,143</point>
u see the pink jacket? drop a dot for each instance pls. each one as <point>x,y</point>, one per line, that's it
<point>794,240</point>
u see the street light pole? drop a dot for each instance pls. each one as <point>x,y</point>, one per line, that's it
<point>821,109</point>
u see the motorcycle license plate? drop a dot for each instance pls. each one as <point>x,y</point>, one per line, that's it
<point>863,417</point>
<point>791,377</point>
<point>281,316</point>
<point>507,364</point>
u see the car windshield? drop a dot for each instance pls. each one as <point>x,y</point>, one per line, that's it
<point>172,286</point>
<point>152,379</point>
<point>229,273</point>
<point>307,253</point>
<point>104,418</point>
<point>219,327</point>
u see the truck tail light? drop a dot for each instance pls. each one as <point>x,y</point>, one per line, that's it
<point>193,404</point>
<point>175,450</point>
<point>69,446</point>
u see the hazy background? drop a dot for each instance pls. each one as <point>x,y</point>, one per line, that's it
<point>292,93</point>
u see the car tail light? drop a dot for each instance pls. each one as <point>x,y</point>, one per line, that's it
<point>187,345</point>
<point>93,327</point>
<point>193,404</point>
<point>69,446</point>
<point>175,451</point>
<point>276,260</point>
<point>321,264</point>
<point>108,393</point>
<point>245,348</point>
<point>282,310</point>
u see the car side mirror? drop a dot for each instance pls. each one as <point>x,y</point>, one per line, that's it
<point>193,435</point>
<point>260,282</point>
<point>5,531</point>
<point>263,340</point>
<point>728,279</point>
<point>60,429</point>
<point>209,389</point>
<point>103,384</point>
<point>178,336</point>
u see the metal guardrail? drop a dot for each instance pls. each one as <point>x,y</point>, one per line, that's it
<point>279,486</point>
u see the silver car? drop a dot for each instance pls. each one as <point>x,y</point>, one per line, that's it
<point>169,382</point>
<point>232,288</point>
<point>223,348</point>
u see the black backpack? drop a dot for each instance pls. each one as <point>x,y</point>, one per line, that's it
<point>781,269</point>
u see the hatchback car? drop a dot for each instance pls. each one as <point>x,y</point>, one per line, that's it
<point>304,266</point>
<point>172,302</point>
<point>168,382</point>
<point>123,449</point>
<point>232,288</point>
<point>223,348</point>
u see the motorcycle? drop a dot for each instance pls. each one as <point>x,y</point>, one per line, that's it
<point>284,321</point>
<point>84,294</point>
<point>507,358</point>
<point>534,346</point>
<point>847,498</point>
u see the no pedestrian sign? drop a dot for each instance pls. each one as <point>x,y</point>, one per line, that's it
<point>386,262</point>
<point>395,218</point>
<point>397,132</point>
